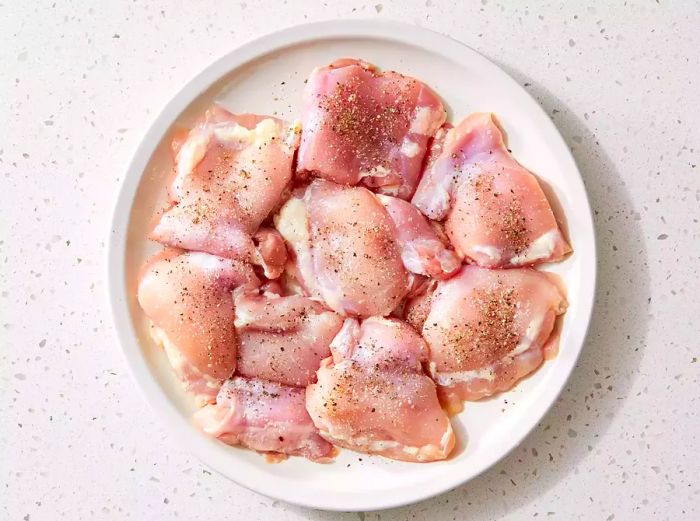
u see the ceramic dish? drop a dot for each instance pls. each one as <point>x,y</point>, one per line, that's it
<point>266,76</point>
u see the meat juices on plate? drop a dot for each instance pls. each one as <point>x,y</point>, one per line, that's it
<point>231,171</point>
<point>263,416</point>
<point>365,126</point>
<point>487,329</point>
<point>373,396</point>
<point>187,297</point>
<point>282,339</point>
<point>344,249</point>
<point>495,211</point>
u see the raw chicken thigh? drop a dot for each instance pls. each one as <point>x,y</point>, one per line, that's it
<point>486,329</point>
<point>187,296</point>
<point>372,395</point>
<point>344,248</point>
<point>263,416</point>
<point>362,125</point>
<point>282,339</point>
<point>495,211</point>
<point>424,249</point>
<point>230,173</point>
<point>327,304</point>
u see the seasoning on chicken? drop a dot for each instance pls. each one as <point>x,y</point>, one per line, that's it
<point>264,416</point>
<point>231,172</point>
<point>373,396</point>
<point>487,329</point>
<point>494,209</point>
<point>343,247</point>
<point>282,339</point>
<point>365,126</point>
<point>187,297</point>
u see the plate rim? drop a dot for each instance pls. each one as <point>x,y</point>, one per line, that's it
<point>117,244</point>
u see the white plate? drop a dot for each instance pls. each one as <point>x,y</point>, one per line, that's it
<point>249,79</point>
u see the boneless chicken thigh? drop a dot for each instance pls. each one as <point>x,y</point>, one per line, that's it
<point>351,279</point>
<point>344,249</point>
<point>263,416</point>
<point>373,396</point>
<point>231,171</point>
<point>282,338</point>
<point>486,329</point>
<point>365,126</point>
<point>188,298</point>
<point>495,211</point>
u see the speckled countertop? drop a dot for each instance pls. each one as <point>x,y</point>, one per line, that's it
<point>79,86</point>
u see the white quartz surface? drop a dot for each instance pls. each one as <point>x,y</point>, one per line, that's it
<point>81,81</point>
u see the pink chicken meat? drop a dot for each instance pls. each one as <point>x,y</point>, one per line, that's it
<point>365,126</point>
<point>264,416</point>
<point>351,279</point>
<point>231,171</point>
<point>187,297</point>
<point>487,329</point>
<point>373,396</point>
<point>424,248</point>
<point>282,339</point>
<point>494,210</point>
<point>344,249</point>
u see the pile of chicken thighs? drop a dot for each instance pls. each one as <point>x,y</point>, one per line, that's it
<point>349,280</point>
